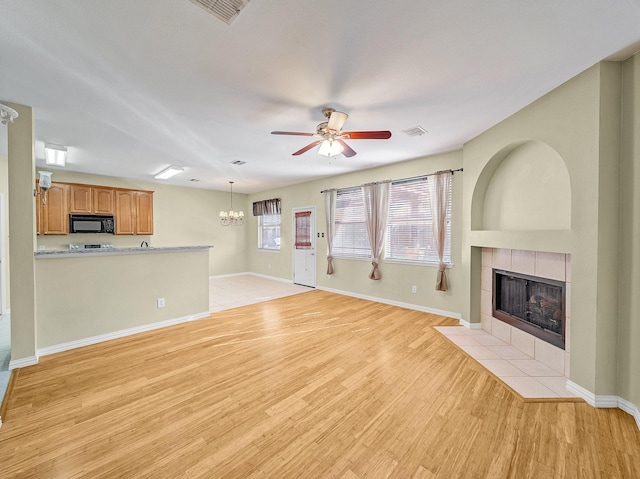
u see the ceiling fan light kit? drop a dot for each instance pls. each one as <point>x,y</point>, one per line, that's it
<point>331,137</point>
<point>330,148</point>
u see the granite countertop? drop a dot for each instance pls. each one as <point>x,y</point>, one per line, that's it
<point>66,253</point>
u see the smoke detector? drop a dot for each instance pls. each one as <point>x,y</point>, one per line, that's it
<point>225,10</point>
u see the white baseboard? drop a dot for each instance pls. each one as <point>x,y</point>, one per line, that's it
<point>630,408</point>
<point>469,325</point>
<point>23,362</point>
<point>605,401</point>
<point>118,334</point>
<point>400,304</point>
<point>274,278</point>
<point>218,276</point>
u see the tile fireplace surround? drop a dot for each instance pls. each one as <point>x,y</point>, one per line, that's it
<point>530,366</point>
<point>534,263</point>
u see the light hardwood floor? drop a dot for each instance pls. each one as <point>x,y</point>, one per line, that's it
<point>315,385</point>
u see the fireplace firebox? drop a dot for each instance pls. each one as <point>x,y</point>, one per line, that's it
<point>534,305</point>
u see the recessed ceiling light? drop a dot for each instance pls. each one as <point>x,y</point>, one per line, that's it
<point>415,131</point>
<point>169,172</point>
<point>55,155</point>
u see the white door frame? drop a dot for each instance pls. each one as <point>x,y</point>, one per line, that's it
<point>313,242</point>
<point>3,279</point>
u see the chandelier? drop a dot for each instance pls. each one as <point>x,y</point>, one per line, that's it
<point>231,217</point>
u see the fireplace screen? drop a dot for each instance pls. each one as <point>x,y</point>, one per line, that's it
<point>534,305</point>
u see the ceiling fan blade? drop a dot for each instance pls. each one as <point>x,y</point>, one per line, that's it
<point>306,148</point>
<point>366,135</point>
<point>347,151</point>
<point>291,133</point>
<point>336,120</point>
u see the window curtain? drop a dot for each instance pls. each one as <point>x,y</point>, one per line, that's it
<point>330,216</point>
<point>266,207</point>
<point>438,196</point>
<point>376,203</point>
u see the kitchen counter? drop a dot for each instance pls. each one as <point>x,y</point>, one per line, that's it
<point>65,253</point>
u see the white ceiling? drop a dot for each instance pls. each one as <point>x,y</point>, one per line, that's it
<point>132,86</point>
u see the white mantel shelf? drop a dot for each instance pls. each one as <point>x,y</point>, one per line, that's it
<point>47,254</point>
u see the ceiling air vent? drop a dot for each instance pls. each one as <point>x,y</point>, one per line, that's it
<point>415,131</point>
<point>225,10</point>
<point>238,162</point>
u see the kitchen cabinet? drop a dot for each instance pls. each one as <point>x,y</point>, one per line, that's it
<point>132,209</point>
<point>80,199</point>
<point>51,210</point>
<point>104,201</point>
<point>134,212</point>
<point>91,200</point>
<point>144,212</point>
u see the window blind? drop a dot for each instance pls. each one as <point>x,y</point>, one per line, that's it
<point>269,232</point>
<point>410,227</point>
<point>303,230</point>
<point>351,239</point>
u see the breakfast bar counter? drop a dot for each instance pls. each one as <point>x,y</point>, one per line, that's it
<point>116,251</point>
<point>94,294</point>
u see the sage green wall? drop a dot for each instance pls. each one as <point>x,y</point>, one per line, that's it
<point>23,233</point>
<point>4,190</point>
<point>82,297</point>
<point>352,275</point>
<point>181,216</point>
<point>629,306</point>
<point>576,120</point>
<point>530,190</point>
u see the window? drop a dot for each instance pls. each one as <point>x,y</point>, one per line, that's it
<point>410,226</point>
<point>351,239</point>
<point>303,230</point>
<point>269,232</point>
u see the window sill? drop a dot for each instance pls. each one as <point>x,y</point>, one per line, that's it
<point>265,250</point>
<point>432,264</point>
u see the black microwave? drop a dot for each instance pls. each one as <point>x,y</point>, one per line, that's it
<point>92,224</point>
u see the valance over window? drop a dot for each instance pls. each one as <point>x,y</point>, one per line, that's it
<point>266,207</point>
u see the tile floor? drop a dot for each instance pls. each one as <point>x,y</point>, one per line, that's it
<point>528,377</point>
<point>233,291</point>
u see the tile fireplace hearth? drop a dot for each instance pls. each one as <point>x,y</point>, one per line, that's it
<point>531,366</point>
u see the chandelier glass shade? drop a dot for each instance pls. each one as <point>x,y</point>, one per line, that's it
<point>235,218</point>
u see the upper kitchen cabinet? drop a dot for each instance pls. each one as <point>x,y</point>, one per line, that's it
<point>51,210</point>
<point>134,212</point>
<point>91,200</point>
<point>144,212</point>
<point>104,201</point>
<point>80,199</point>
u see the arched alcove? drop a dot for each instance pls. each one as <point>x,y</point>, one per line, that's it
<point>525,186</point>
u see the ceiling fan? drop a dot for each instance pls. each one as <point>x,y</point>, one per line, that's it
<point>331,137</point>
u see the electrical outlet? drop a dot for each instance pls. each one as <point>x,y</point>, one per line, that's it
<point>160,302</point>
<point>269,266</point>
<point>414,289</point>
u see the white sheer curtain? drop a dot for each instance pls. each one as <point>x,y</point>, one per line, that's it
<point>376,205</point>
<point>330,215</point>
<point>439,203</point>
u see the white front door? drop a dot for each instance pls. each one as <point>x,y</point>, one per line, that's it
<point>304,246</point>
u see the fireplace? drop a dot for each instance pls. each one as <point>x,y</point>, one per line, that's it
<point>534,305</point>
